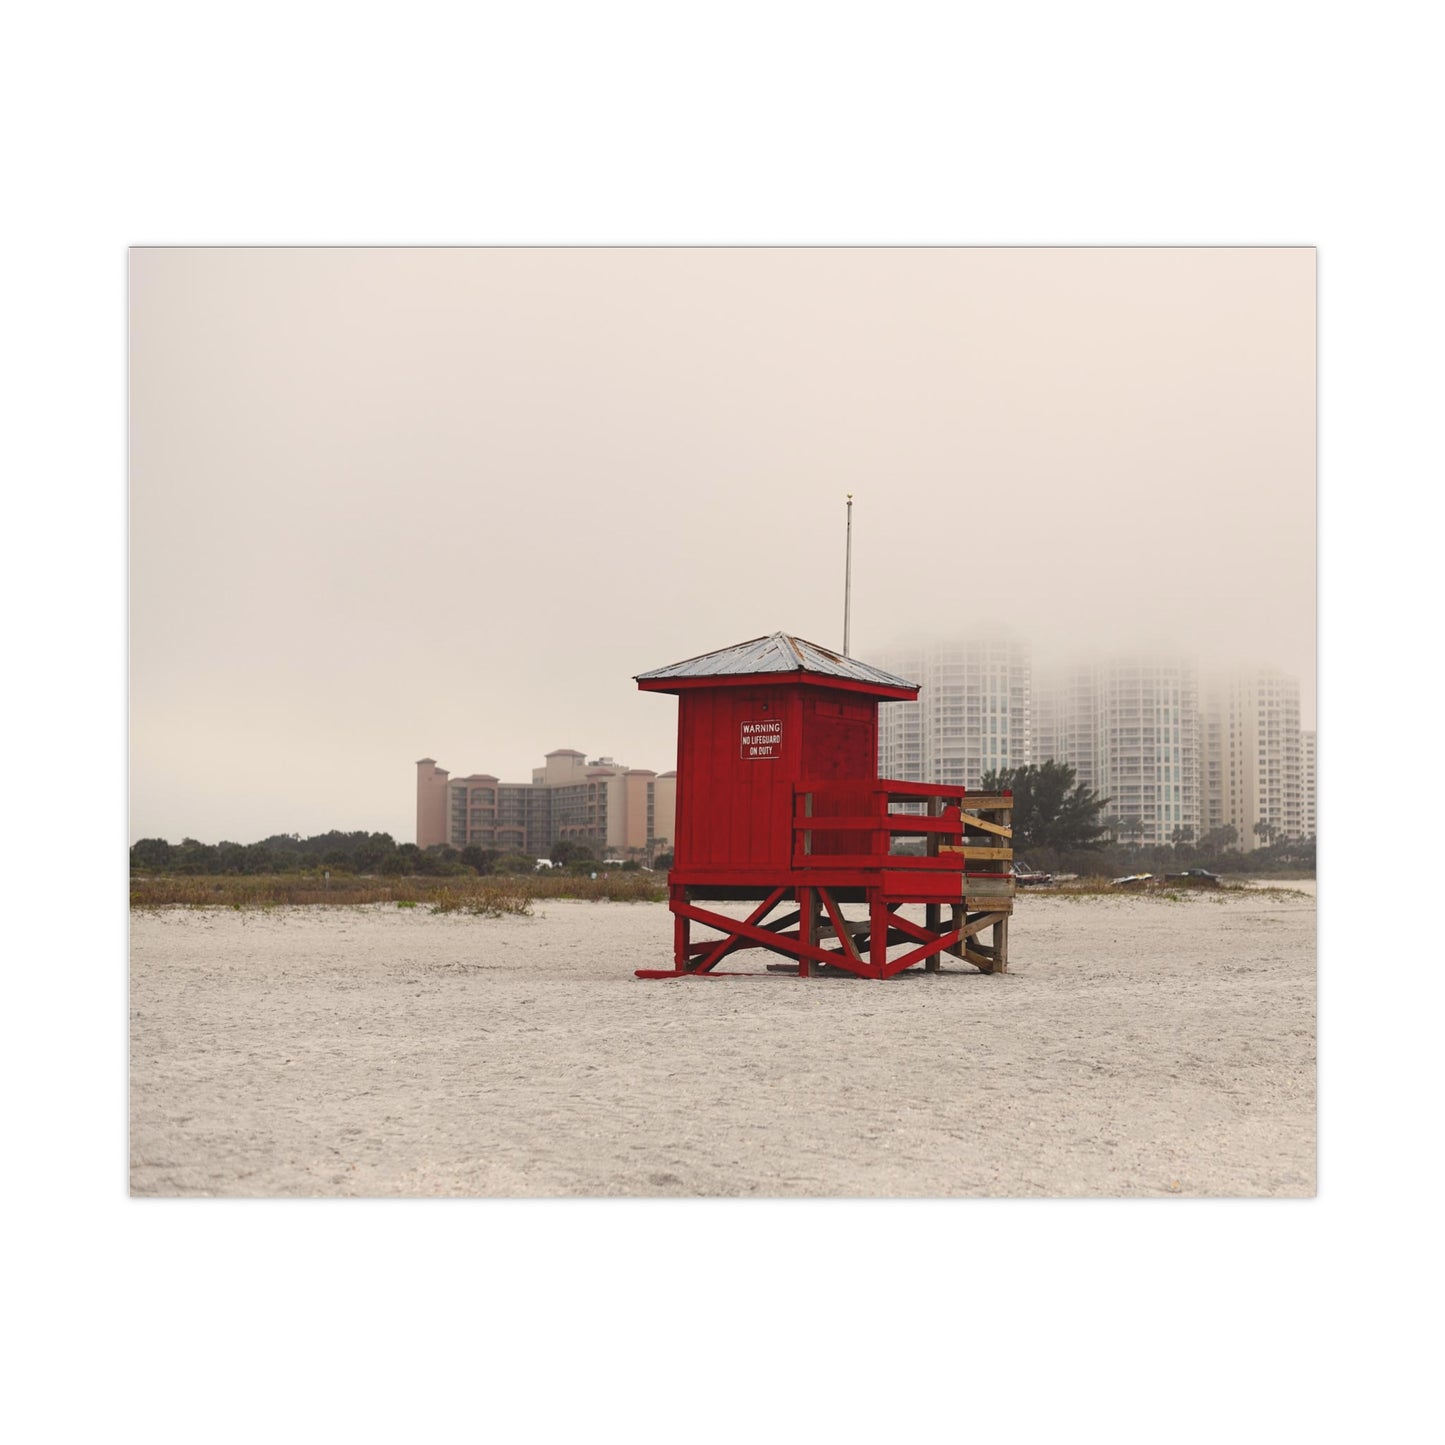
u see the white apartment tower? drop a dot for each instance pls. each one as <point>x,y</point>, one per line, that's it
<point>1307,782</point>
<point>1252,771</point>
<point>972,714</point>
<point>1177,756</point>
<point>1066,722</point>
<point>1147,746</point>
<point>1129,728</point>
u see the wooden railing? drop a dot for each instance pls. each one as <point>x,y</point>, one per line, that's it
<point>950,816</point>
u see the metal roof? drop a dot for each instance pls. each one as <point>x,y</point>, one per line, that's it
<point>778,652</point>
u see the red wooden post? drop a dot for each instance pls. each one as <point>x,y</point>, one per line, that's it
<point>933,911</point>
<point>805,930</point>
<point>681,928</point>
<point>877,933</point>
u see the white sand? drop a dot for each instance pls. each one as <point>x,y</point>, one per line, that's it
<point>1139,1047</point>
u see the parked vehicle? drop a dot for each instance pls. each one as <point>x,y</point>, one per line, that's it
<point>1199,877</point>
<point>1026,877</point>
<point>1134,880</point>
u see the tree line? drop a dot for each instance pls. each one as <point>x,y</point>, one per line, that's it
<point>1060,824</point>
<point>359,852</point>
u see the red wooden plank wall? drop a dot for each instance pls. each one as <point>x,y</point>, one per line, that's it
<point>735,810</point>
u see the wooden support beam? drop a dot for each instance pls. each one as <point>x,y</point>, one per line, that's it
<point>840,924</point>
<point>927,952</point>
<point>977,853</point>
<point>846,862</point>
<point>776,925</point>
<point>933,912</point>
<point>680,930</point>
<point>977,924</point>
<point>878,936</point>
<point>901,824</point>
<point>854,928</point>
<point>909,929</point>
<point>788,946</point>
<point>987,825</point>
<point>980,961</point>
<point>900,792</point>
<point>726,945</point>
<point>977,907</point>
<point>896,936</point>
<point>806,921</point>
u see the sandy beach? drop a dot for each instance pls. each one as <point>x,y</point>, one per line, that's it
<point>1138,1047</point>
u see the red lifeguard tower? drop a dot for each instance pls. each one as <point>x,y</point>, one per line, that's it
<point>779,803</point>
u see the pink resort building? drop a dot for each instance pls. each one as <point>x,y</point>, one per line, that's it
<point>621,812</point>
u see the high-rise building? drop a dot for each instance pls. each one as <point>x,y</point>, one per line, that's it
<point>614,809</point>
<point>972,714</point>
<point>1129,728</point>
<point>1176,755</point>
<point>1066,723</point>
<point>1147,747</point>
<point>1307,782</point>
<point>1251,766</point>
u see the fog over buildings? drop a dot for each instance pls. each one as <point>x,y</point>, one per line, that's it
<point>1178,752</point>
<point>390,505</point>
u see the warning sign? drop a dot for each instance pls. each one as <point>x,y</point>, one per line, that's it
<point>763,739</point>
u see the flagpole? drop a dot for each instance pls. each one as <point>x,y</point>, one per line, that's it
<point>848,579</point>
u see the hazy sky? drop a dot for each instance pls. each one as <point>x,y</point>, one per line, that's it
<point>388,504</point>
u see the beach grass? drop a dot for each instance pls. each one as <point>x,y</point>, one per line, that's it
<point>491,896</point>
